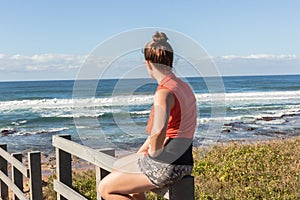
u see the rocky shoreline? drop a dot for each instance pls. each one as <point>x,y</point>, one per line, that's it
<point>272,126</point>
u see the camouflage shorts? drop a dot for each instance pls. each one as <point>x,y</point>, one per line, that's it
<point>162,174</point>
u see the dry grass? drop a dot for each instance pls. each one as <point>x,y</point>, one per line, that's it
<point>265,170</point>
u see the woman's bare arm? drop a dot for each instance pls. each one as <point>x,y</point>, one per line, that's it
<point>144,148</point>
<point>163,103</point>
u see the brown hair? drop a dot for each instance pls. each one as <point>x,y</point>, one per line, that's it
<point>159,50</point>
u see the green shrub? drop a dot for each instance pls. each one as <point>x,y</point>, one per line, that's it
<point>85,183</point>
<point>265,170</point>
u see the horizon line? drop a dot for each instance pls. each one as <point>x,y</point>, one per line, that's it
<point>115,78</point>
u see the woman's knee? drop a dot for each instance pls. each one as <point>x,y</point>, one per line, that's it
<point>103,189</point>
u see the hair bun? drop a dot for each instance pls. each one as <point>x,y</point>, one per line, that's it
<point>159,37</point>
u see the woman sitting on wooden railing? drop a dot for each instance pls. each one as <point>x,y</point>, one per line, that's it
<point>166,156</point>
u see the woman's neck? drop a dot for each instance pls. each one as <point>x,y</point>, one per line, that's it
<point>160,76</point>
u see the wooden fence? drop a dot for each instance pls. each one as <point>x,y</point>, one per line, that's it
<point>18,171</point>
<point>103,160</point>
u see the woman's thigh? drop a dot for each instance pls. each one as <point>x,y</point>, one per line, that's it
<point>125,183</point>
<point>126,177</point>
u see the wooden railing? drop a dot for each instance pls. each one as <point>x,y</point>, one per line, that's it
<point>18,171</point>
<point>103,160</point>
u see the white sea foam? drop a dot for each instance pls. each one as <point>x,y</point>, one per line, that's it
<point>37,131</point>
<point>76,103</point>
<point>249,96</point>
<point>142,100</point>
<point>255,107</point>
<point>253,117</point>
<point>286,102</point>
<point>273,122</point>
<point>144,112</point>
<point>71,115</point>
<point>206,120</point>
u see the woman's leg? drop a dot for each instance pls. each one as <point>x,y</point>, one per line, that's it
<point>126,179</point>
<point>119,185</point>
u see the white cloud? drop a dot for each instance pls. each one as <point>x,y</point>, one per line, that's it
<point>260,56</point>
<point>19,57</point>
<point>258,64</point>
<point>2,56</point>
<point>39,66</point>
<point>62,66</point>
<point>66,66</point>
<point>18,63</point>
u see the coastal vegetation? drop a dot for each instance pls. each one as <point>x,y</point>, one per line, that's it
<point>260,170</point>
<point>264,170</point>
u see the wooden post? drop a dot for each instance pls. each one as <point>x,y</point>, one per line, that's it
<point>64,167</point>
<point>183,189</point>
<point>101,173</point>
<point>34,161</point>
<point>17,176</point>
<point>3,168</point>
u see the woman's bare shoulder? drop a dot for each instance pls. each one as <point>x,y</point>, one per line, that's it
<point>164,96</point>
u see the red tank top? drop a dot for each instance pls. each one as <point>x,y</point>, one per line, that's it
<point>183,116</point>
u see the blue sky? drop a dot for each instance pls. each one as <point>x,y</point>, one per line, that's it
<point>50,39</point>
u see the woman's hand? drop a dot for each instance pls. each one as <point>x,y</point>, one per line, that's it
<point>144,148</point>
<point>157,152</point>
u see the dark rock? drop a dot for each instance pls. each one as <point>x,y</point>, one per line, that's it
<point>269,118</point>
<point>52,158</point>
<point>230,124</point>
<point>226,131</point>
<point>288,115</point>
<point>6,132</point>
<point>279,133</point>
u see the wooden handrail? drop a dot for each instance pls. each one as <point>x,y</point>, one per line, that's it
<point>95,157</point>
<point>67,191</point>
<point>15,162</point>
<point>12,186</point>
<point>183,189</point>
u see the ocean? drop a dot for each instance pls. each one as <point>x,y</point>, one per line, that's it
<point>255,108</point>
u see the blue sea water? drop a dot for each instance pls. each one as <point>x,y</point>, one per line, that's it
<point>249,108</point>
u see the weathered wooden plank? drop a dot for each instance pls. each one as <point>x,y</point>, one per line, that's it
<point>12,186</point>
<point>3,169</point>
<point>183,189</point>
<point>34,162</point>
<point>64,167</point>
<point>67,191</point>
<point>101,173</point>
<point>97,158</point>
<point>17,176</point>
<point>15,162</point>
